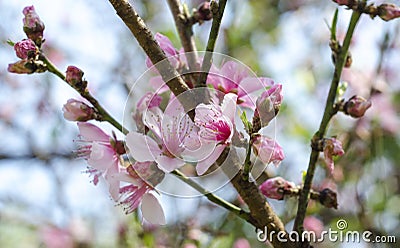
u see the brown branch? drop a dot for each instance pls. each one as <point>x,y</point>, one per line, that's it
<point>157,56</point>
<point>185,31</point>
<point>261,212</point>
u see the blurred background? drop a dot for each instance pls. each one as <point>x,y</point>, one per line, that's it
<point>46,199</point>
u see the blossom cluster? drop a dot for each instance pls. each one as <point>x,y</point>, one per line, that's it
<point>166,136</point>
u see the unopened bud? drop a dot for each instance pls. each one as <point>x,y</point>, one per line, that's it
<point>75,110</point>
<point>23,66</point>
<point>275,188</point>
<point>388,11</point>
<point>74,77</point>
<point>204,12</point>
<point>25,49</point>
<point>267,150</point>
<point>356,106</point>
<point>328,198</point>
<point>268,104</point>
<point>332,147</point>
<point>33,26</point>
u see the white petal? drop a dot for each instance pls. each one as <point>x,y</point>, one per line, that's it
<point>101,157</point>
<point>229,106</point>
<point>142,147</point>
<point>168,164</point>
<point>152,210</point>
<point>92,133</point>
<point>203,166</point>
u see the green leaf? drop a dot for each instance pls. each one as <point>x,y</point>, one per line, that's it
<point>10,42</point>
<point>334,23</point>
<point>247,124</point>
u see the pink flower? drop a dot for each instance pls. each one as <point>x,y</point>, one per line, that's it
<point>275,188</point>
<point>148,102</point>
<point>54,237</point>
<point>137,191</point>
<point>241,243</point>
<point>74,75</point>
<point>388,11</point>
<point>23,66</point>
<point>268,104</point>
<point>25,48</point>
<point>313,224</point>
<point>267,150</point>
<point>356,106</point>
<point>216,125</point>
<point>332,147</point>
<point>234,78</point>
<point>75,110</point>
<point>33,26</point>
<point>173,132</point>
<point>100,153</point>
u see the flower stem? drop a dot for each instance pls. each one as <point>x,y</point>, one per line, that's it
<point>214,198</point>
<point>247,163</point>
<point>327,116</point>
<point>105,116</point>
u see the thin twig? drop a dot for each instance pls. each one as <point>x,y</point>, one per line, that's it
<point>214,198</point>
<point>146,40</point>
<point>327,116</point>
<point>185,31</point>
<point>105,116</point>
<point>218,12</point>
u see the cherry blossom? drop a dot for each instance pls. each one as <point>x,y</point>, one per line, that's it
<point>217,127</point>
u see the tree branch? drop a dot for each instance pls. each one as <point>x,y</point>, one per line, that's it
<point>146,40</point>
<point>185,31</point>
<point>327,116</point>
<point>218,12</point>
<point>260,210</point>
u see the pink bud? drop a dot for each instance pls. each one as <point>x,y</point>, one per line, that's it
<point>74,76</point>
<point>268,104</point>
<point>356,106</point>
<point>33,26</point>
<point>25,48</point>
<point>388,11</point>
<point>21,67</point>
<point>75,110</point>
<point>267,150</point>
<point>332,147</point>
<point>204,12</point>
<point>275,188</point>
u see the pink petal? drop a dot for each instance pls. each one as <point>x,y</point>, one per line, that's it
<point>158,84</point>
<point>92,133</point>
<point>113,182</point>
<point>203,165</point>
<point>152,118</point>
<point>229,106</point>
<point>251,84</point>
<point>101,157</point>
<point>142,147</point>
<point>152,210</point>
<point>168,164</point>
